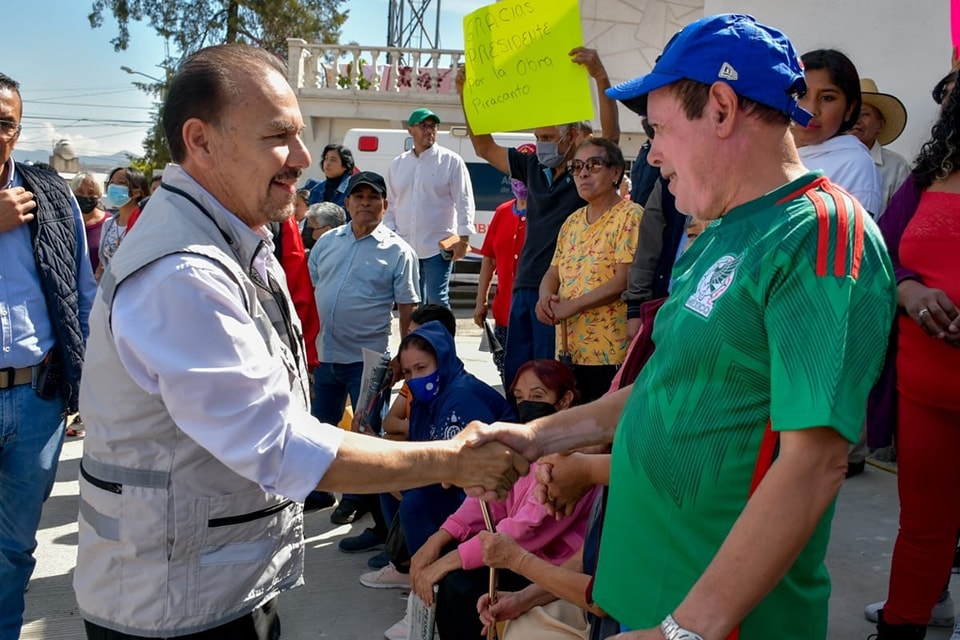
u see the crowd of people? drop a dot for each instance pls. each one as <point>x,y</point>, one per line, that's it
<point>767,292</point>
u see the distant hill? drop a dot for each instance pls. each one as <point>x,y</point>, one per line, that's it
<point>87,163</point>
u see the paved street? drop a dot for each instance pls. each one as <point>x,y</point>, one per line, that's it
<point>334,606</point>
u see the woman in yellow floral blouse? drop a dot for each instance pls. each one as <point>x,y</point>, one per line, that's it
<point>589,269</point>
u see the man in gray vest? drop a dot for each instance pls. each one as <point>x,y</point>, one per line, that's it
<point>200,444</point>
<point>46,291</point>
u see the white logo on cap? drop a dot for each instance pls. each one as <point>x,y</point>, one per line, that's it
<point>727,72</point>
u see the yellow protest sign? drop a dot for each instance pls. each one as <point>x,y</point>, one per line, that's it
<point>519,72</point>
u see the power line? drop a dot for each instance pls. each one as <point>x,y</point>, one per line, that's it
<point>99,106</point>
<point>90,120</point>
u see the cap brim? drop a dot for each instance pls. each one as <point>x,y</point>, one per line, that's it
<point>633,93</point>
<point>894,115</point>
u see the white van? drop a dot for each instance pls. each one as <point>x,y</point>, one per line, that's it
<point>375,149</point>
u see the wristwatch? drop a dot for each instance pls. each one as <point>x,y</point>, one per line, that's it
<point>672,631</point>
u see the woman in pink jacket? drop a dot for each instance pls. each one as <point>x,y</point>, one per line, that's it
<point>453,557</point>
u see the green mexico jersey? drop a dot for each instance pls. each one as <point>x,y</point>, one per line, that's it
<point>778,320</point>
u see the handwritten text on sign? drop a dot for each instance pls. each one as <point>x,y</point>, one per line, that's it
<point>519,73</point>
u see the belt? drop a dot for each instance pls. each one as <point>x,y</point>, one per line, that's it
<point>10,377</point>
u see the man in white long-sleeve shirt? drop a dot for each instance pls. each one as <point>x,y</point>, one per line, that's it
<point>200,444</point>
<point>431,200</point>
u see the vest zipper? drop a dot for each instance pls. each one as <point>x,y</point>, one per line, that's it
<point>248,517</point>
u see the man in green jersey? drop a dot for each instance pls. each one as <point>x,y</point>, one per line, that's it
<point>730,449</point>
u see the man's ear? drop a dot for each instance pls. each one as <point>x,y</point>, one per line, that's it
<point>722,105</point>
<point>196,139</point>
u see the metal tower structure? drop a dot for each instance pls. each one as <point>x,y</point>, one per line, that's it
<point>408,24</point>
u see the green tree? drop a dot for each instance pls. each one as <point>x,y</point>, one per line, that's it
<point>193,24</point>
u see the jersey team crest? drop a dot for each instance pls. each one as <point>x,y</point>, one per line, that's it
<point>713,284</point>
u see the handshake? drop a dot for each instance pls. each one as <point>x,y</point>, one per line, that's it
<point>489,458</point>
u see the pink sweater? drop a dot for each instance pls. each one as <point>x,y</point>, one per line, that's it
<point>523,518</point>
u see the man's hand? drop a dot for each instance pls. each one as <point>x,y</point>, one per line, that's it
<point>486,468</point>
<point>590,59</point>
<point>16,204</point>
<point>459,81</point>
<point>509,606</point>
<point>562,482</point>
<point>480,313</point>
<point>460,249</point>
<point>633,327</point>
<point>500,551</point>
<point>930,308</point>
<point>519,437</point>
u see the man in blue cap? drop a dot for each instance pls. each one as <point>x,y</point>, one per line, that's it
<point>728,456</point>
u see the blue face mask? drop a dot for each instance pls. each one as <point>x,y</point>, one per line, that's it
<point>117,196</point>
<point>425,389</point>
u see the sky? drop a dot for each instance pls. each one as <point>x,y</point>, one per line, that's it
<point>73,88</point>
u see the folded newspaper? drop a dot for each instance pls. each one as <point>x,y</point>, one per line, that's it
<point>422,618</point>
<point>375,380</point>
<point>489,342</point>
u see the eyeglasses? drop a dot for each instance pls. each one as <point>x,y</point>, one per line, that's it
<point>428,125</point>
<point>10,129</point>
<point>593,165</point>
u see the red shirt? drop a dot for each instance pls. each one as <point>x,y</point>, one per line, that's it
<point>504,240</point>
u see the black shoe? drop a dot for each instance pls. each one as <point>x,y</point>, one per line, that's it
<point>855,468</point>
<point>887,631</point>
<point>366,541</point>
<point>319,500</point>
<point>379,561</point>
<point>347,511</point>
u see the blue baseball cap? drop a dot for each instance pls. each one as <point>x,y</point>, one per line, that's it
<point>757,61</point>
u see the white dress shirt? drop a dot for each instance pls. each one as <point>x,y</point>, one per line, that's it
<point>430,198</point>
<point>183,333</point>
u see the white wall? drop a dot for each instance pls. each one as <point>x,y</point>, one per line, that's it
<point>904,46</point>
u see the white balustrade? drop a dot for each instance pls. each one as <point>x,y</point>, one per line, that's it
<point>355,68</point>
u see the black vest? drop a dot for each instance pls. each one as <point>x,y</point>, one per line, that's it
<point>54,237</point>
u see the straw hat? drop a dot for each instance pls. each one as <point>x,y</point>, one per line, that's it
<point>893,111</point>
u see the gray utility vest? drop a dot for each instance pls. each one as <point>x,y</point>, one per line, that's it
<point>172,541</point>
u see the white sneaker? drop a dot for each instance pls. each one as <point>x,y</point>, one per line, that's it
<point>386,578</point>
<point>940,616</point>
<point>399,631</point>
<point>956,631</point>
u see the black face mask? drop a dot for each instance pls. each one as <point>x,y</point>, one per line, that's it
<point>87,203</point>
<point>528,410</point>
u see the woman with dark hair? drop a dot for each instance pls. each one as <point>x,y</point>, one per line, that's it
<point>595,248</point>
<point>338,165</point>
<point>833,97</point>
<point>922,233</point>
<point>126,187</point>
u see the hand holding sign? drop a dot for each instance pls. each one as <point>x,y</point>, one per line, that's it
<point>519,74</point>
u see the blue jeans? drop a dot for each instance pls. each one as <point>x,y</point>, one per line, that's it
<point>424,509</point>
<point>435,280</point>
<point>31,435</point>
<point>332,381</point>
<point>527,338</point>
